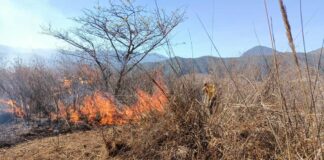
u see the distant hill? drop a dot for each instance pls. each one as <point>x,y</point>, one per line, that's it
<point>258,51</point>
<point>10,53</point>
<point>154,57</point>
<point>4,49</point>
<point>208,64</point>
<point>250,60</point>
<point>317,51</point>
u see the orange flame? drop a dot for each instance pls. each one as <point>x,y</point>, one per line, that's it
<point>101,108</point>
<point>14,108</point>
<point>74,116</point>
<point>146,103</point>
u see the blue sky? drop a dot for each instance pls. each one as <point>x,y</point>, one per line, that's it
<point>233,31</point>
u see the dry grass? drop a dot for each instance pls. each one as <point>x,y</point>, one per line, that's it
<point>81,145</point>
<point>258,130</point>
<point>272,118</point>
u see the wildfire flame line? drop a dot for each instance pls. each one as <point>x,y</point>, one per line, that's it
<point>101,108</point>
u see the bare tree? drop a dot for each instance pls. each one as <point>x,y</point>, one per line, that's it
<point>118,37</point>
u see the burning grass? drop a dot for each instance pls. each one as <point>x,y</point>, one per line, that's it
<point>253,128</point>
<point>14,108</point>
<point>260,116</point>
<point>102,108</point>
<point>233,131</point>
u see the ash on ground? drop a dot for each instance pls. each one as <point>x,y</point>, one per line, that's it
<point>11,132</point>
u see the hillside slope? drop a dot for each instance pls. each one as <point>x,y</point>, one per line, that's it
<point>209,64</point>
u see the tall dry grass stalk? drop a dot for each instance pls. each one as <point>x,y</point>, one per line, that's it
<point>284,106</point>
<point>305,54</point>
<point>288,33</point>
<point>292,46</point>
<point>313,109</point>
<point>276,64</point>
<point>311,105</point>
<point>274,50</point>
<point>318,67</point>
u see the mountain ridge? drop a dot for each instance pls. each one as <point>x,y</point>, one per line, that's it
<point>10,53</point>
<point>258,51</point>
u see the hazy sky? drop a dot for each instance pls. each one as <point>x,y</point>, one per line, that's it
<point>233,31</point>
